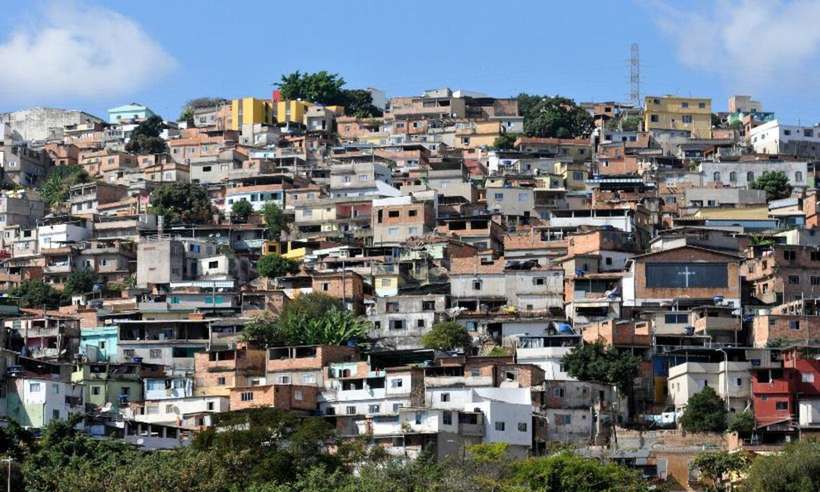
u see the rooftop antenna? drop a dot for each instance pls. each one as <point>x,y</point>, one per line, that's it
<point>635,75</point>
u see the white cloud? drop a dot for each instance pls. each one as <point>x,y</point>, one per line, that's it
<point>754,43</point>
<point>73,50</point>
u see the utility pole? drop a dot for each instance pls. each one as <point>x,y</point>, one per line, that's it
<point>635,75</point>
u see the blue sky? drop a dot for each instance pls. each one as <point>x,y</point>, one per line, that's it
<point>162,53</point>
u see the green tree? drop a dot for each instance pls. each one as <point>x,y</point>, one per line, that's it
<point>743,423</point>
<point>54,190</point>
<point>310,319</point>
<point>566,472</point>
<point>187,112</point>
<point>145,137</point>
<point>716,467</point>
<point>276,221</point>
<point>80,282</point>
<point>596,363</point>
<point>774,183</point>
<point>705,412</point>
<point>447,335</point>
<point>505,141</point>
<point>320,87</point>
<point>359,103</point>
<point>241,210</point>
<point>181,203</point>
<point>36,294</point>
<point>526,102</point>
<point>274,265</point>
<point>557,117</point>
<point>797,468</point>
<point>631,123</point>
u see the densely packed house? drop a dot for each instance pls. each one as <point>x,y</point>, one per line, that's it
<point>656,238</point>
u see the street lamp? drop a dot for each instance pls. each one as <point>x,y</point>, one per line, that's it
<point>8,477</point>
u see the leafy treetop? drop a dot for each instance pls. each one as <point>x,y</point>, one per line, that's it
<point>446,336</point>
<point>705,412</point>
<point>181,203</point>
<point>596,363</point>
<point>774,183</point>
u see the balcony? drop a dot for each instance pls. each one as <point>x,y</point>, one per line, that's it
<point>58,268</point>
<point>777,386</point>
<point>713,323</point>
<point>445,381</point>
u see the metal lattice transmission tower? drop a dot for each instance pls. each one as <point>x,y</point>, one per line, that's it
<point>635,75</point>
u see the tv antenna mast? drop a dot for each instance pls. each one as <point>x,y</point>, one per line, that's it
<point>635,75</point>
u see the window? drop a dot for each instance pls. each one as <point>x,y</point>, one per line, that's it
<point>412,213</point>
<point>393,213</point>
<point>350,410</point>
<point>794,279</point>
<point>538,281</point>
<point>815,280</point>
<point>794,324</point>
<point>386,282</point>
<point>781,405</point>
<point>220,380</point>
<point>154,354</point>
<point>750,177</point>
<point>499,196</point>
<point>420,323</point>
<point>522,197</point>
<point>396,324</point>
<point>476,284</point>
<point>283,380</point>
<point>738,382</point>
<point>808,133</point>
<point>308,379</point>
<point>125,391</point>
<point>247,396</point>
<point>213,264</point>
<point>653,118</point>
<point>702,105</point>
<point>444,397</point>
<point>798,176</point>
<point>418,417</point>
<point>396,407</point>
<point>55,414</point>
<point>499,426</point>
<point>522,427</point>
<point>716,176</point>
<point>733,177</point>
<point>684,105</point>
<point>96,390</point>
<point>563,419</point>
<point>373,409</point>
<point>396,383</point>
<point>428,305</point>
<point>363,177</point>
<point>211,406</point>
<point>447,418</point>
<point>807,377</point>
<point>687,118</point>
<point>393,231</point>
<point>789,255</point>
<point>34,387</point>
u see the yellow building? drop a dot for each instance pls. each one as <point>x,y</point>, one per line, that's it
<point>291,112</point>
<point>478,134</point>
<point>250,110</point>
<point>679,113</point>
<point>574,174</point>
